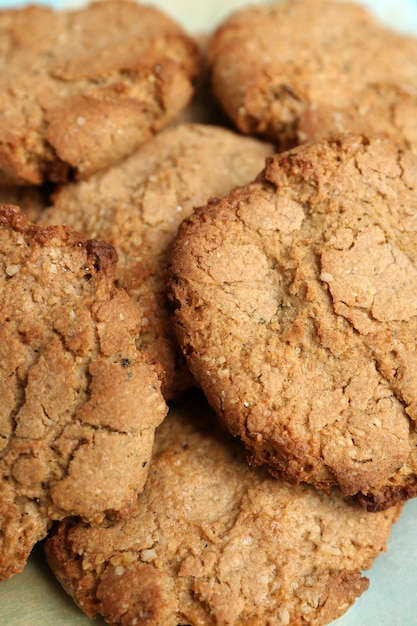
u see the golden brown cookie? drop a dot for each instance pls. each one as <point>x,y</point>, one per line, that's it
<point>268,63</point>
<point>79,403</point>
<point>384,109</point>
<point>296,307</point>
<point>137,206</point>
<point>81,89</point>
<point>214,541</point>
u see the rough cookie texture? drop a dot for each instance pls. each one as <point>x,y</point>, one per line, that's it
<point>81,89</point>
<point>79,403</point>
<point>137,206</point>
<point>383,109</point>
<point>216,542</point>
<point>296,307</point>
<point>269,62</point>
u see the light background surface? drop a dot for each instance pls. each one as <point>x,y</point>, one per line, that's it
<point>34,598</point>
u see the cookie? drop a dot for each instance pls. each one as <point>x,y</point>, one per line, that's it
<point>385,109</point>
<point>80,404</point>
<point>295,304</point>
<point>137,206</point>
<point>81,89</point>
<point>214,541</point>
<point>268,63</point>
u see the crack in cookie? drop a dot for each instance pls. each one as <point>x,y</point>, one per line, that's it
<point>294,304</point>
<point>76,423</point>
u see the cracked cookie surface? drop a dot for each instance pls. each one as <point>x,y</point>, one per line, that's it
<point>80,404</point>
<point>269,63</point>
<point>137,206</point>
<point>81,89</point>
<point>296,308</point>
<point>216,542</point>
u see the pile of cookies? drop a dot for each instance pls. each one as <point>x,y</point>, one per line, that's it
<point>208,325</point>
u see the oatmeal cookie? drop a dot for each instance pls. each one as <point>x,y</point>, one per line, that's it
<point>269,62</point>
<point>296,308</point>
<point>137,206</point>
<point>81,89</point>
<point>79,403</point>
<point>385,109</point>
<point>216,542</point>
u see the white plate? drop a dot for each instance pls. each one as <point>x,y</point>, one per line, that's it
<point>34,598</point>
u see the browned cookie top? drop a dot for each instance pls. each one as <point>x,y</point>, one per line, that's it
<point>297,310</point>
<point>382,108</point>
<point>79,403</point>
<point>269,62</point>
<point>137,207</point>
<point>216,542</point>
<point>80,89</point>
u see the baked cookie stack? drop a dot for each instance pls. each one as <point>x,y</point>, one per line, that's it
<point>208,319</point>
